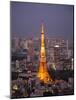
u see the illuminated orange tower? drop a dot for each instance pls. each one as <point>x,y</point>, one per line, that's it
<point>43,74</point>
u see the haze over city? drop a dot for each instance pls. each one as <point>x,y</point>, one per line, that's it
<point>26,19</point>
<point>42,55</point>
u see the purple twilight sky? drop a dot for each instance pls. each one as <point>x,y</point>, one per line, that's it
<point>26,19</point>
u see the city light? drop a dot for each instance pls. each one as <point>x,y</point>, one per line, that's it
<point>43,73</point>
<point>15,87</point>
<point>42,50</point>
<point>57,46</point>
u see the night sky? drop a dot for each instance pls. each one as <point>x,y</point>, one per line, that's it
<point>26,19</point>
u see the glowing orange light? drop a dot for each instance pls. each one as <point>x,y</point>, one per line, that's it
<point>43,74</point>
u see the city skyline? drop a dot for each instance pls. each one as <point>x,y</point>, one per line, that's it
<point>26,19</point>
<point>42,54</point>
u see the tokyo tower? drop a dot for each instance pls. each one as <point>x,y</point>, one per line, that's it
<point>43,74</point>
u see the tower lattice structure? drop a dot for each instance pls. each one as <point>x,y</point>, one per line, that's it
<point>43,74</point>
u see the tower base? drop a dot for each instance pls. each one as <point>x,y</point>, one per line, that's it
<point>44,77</point>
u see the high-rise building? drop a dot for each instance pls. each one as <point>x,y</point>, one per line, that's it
<point>15,43</point>
<point>17,64</point>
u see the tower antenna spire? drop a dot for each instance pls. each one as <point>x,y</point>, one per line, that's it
<point>42,28</point>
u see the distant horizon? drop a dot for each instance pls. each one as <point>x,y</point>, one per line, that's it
<point>26,19</point>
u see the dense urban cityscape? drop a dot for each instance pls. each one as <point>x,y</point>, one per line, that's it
<point>25,62</point>
<point>42,50</point>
